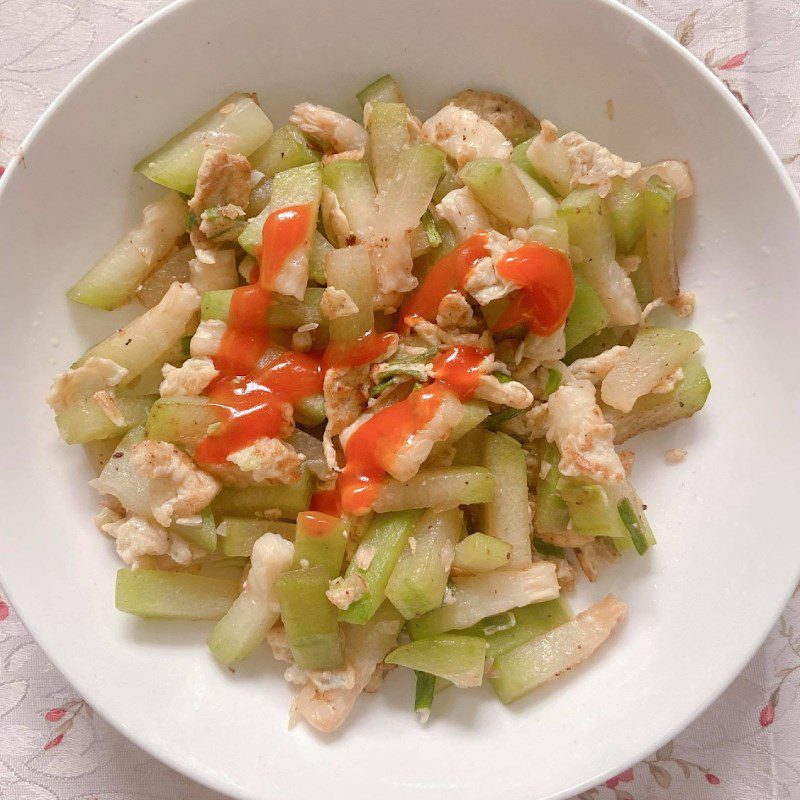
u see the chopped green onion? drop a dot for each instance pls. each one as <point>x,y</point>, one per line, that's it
<point>503,378</point>
<point>423,694</point>
<point>553,382</point>
<point>392,369</point>
<point>494,421</point>
<point>415,358</point>
<point>380,388</point>
<point>434,237</point>
<point>631,522</point>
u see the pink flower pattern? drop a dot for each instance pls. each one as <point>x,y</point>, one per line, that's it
<point>735,61</point>
<point>749,737</point>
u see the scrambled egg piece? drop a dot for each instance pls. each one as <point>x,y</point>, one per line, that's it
<point>669,382</point>
<point>390,254</point>
<point>511,118</point>
<point>188,380</point>
<point>595,165</point>
<point>565,538</point>
<point>333,130</point>
<point>674,173</point>
<point>207,338</point>
<point>628,458</point>
<point>272,556</point>
<point>483,282</point>
<point>163,223</point>
<point>404,463</point>
<point>104,400</point>
<point>596,555</point>
<point>293,275</point>
<point>345,392</point>
<point>511,393</point>
<point>323,680</point>
<point>334,220</point>
<point>216,270</point>
<point>221,224</point>
<point>596,368</point>
<point>586,441</point>
<point>675,456</point>
<point>454,312</point>
<point>269,460</point>
<point>246,267</point>
<point>347,155</point>
<point>176,485</point>
<point>464,136</point>
<point>365,647</point>
<point>94,375</point>
<point>543,349</point>
<point>434,336</point>
<point>683,304</point>
<point>566,574</point>
<point>223,179</point>
<point>461,209</point>
<point>337,303</point>
<point>572,160</point>
<point>279,644</point>
<point>344,591</point>
<point>302,341</point>
<point>138,537</point>
<point>221,194</point>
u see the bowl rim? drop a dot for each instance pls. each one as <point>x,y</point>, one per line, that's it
<point>210,779</point>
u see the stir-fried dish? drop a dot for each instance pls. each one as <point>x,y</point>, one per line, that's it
<point>371,412</point>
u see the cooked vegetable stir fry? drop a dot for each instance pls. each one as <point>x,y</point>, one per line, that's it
<point>370,415</point>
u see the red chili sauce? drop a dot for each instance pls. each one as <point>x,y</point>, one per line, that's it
<point>256,381</point>
<point>547,288</point>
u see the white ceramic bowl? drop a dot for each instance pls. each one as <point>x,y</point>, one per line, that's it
<point>728,552</point>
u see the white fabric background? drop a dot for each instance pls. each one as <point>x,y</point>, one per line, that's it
<point>53,747</point>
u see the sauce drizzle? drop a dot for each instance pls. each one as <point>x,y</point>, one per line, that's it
<point>459,368</point>
<point>258,382</point>
<point>448,273</point>
<point>547,288</point>
<point>326,501</point>
<point>355,354</point>
<point>257,405</point>
<point>375,443</point>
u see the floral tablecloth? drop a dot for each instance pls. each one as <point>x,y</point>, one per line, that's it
<point>745,747</point>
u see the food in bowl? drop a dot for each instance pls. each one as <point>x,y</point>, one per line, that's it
<point>369,416</point>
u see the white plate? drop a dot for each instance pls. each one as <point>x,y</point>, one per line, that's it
<point>728,550</point>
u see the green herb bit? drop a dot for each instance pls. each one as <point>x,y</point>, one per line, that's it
<point>423,694</point>
<point>631,522</point>
<point>494,421</point>
<point>553,382</point>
